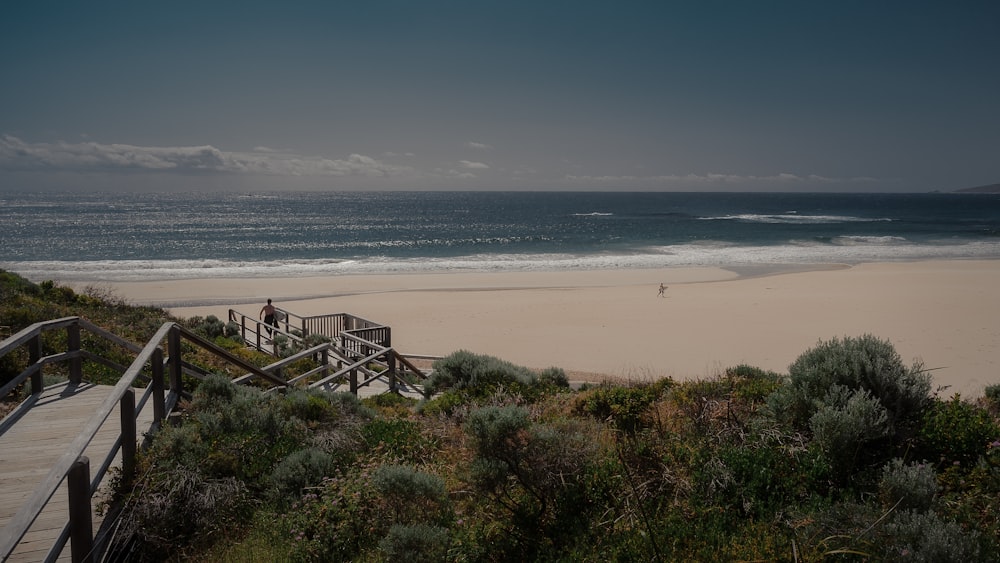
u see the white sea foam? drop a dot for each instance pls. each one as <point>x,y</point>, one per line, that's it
<point>793,217</point>
<point>852,250</point>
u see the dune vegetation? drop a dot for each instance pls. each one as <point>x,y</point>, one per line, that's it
<point>851,454</point>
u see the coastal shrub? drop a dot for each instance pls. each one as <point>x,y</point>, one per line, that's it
<point>417,542</point>
<point>753,384</point>
<point>301,469</point>
<point>444,404</point>
<point>412,496</point>
<point>553,377</point>
<point>956,432</point>
<point>992,395</point>
<point>537,473</point>
<point>926,537</point>
<point>702,401</point>
<point>836,370</point>
<point>846,422</point>
<point>308,405</point>
<point>209,327</point>
<point>350,405</point>
<point>391,405</point>
<point>478,373</point>
<point>230,431</point>
<point>907,486</point>
<point>233,331</point>
<point>177,508</point>
<point>626,407</point>
<point>337,520</point>
<point>395,437</point>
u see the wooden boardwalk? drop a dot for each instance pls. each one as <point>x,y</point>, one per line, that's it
<point>32,438</point>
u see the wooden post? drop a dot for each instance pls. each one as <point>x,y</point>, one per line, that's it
<point>176,366</point>
<point>81,526</point>
<point>34,355</point>
<point>76,363</point>
<point>393,379</point>
<point>129,437</point>
<point>354,381</point>
<point>159,401</point>
<point>325,362</point>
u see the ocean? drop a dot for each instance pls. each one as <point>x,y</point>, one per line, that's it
<point>94,237</point>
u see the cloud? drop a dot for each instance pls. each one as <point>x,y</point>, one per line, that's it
<point>16,154</point>
<point>473,165</point>
<point>452,173</point>
<point>478,146</point>
<point>714,178</point>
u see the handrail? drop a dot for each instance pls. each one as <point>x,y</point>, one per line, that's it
<point>123,394</point>
<point>357,337</point>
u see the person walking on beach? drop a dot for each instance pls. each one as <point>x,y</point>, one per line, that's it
<point>267,312</point>
<point>662,289</point>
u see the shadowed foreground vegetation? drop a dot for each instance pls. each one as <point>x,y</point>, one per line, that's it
<point>849,456</point>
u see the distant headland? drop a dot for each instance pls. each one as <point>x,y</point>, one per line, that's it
<point>990,189</point>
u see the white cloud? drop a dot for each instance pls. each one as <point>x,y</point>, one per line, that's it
<point>473,165</point>
<point>478,146</point>
<point>460,175</point>
<point>16,154</point>
<point>714,178</point>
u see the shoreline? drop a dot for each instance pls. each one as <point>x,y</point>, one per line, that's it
<point>611,323</point>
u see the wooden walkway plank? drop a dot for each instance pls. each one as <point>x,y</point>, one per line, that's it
<point>32,444</point>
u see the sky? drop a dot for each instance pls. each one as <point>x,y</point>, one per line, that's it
<point>879,96</point>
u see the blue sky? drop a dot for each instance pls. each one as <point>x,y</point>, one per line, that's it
<point>557,95</point>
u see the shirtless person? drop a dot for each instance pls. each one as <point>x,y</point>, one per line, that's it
<point>267,311</point>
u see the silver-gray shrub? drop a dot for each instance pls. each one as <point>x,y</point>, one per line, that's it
<point>907,486</point>
<point>405,481</point>
<point>417,542</point>
<point>465,370</point>
<point>846,420</point>
<point>540,459</point>
<point>301,469</point>
<point>412,496</point>
<point>925,537</point>
<point>863,363</point>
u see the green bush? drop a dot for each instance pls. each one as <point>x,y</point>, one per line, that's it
<point>857,399</point>
<point>846,422</point>
<point>907,487</point>
<point>538,474</point>
<point>412,496</point>
<point>955,431</point>
<point>446,403</point>
<point>867,363</point>
<point>417,542</point>
<point>925,537</point>
<point>872,533</point>
<point>309,405</point>
<point>301,469</point>
<point>992,392</point>
<point>465,370</point>
<point>396,437</point>
<point>209,327</point>
<point>554,377</point>
<point>181,507</point>
<point>753,384</point>
<point>336,521</point>
<point>624,406</point>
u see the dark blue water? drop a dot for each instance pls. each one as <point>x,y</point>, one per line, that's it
<point>73,236</point>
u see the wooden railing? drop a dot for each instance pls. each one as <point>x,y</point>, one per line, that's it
<point>150,365</point>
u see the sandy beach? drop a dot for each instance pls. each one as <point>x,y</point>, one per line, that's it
<point>613,323</point>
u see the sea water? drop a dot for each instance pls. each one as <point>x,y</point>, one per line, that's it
<point>73,237</point>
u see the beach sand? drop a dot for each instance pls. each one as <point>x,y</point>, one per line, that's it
<point>612,323</point>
